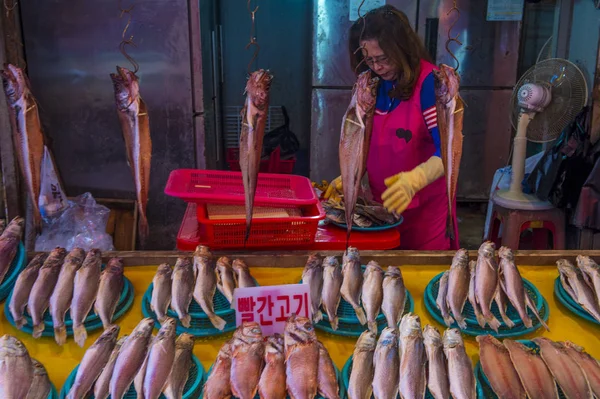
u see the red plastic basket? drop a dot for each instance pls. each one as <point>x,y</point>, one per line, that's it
<point>272,165</point>
<point>224,187</point>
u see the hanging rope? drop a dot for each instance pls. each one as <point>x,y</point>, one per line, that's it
<point>252,41</point>
<point>362,32</point>
<point>455,38</point>
<point>127,41</point>
<point>11,28</point>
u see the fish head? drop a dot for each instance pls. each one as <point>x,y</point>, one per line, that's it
<point>126,87</point>
<point>275,344</point>
<point>38,368</point>
<point>373,267</point>
<point>185,341</point>
<point>249,332</point>
<point>258,87</point>
<point>461,258</point>
<point>163,269</point>
<point>565,267</point>
<point>587,264</point>
<point>17,223</point>
<point>389,336</point>
<point>331,261</point>
<point>202,250</point>
<point>452,338</point>
<point>487,249</point>
<point>299,329</point>
<point>10,346</point>
<point>446,83</point>
<point>167,328</point>
<point>410,325</point>
<point>366,341</point>
<point>453,79</point>
<point>183,263</point>
<point>57,252</point>
<point>14,83</point>
<point>76,255</point>
<point>366,91</point>
<point>94,253</point>
<point>223,263</point>
<point>351,255</point>
<point>431,336</point>
<point>144,328</point>
<point>506,253</point>
<point>115,265</point>
<point>239,266</point>
<point>393,271</point>
<point>313,262</point>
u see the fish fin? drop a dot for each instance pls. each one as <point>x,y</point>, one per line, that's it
<point>217,322</point>
<point>448,320</point>
<point>360,314</point>
<point>80,334</point>
<point>38,329</point>
<point>493,322</point>
<point>462,323</point>
<point>318,316</point>
<point>533,308</point>
<point>20,323</point>
<point>333,321</point>
<point>60,335</point>
<point>186,320</point>
<point>373,326</point>
<point>497,298</point>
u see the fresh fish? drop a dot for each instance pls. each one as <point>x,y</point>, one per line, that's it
<point>591,273</point>
<point>60,301</point>
<point>460,369</point>
<point>335,214</point>
<point>575,285</point>
<point>372,293</point>
<point>160,360</point>
<point>27,133</point>
<point>301,358</point>
<point>499,369</point>
<point>93,362</point>
<point>254,119</point>
<point>225,278</point>
<point>242,274</point>
<point>16,368</point>
<point>87,280</point>
<point>394,296</point>
<point>272,379</point>
<point>42,289</point>
<point>138,381</point>
<point>206,285</point>
<point>352,282</point>
<point>376,214</point>
<point>313,277</point>
<point>442,299</point>
<point>22,289</point>
<point>161,291</point>
<point>502,303</point>
<point>566,371</point>
<point>386,361</point>
<point>328,386</point>
<point>217,385</point>
<point>486,283</point>
<point>131,358</point>
<point>109,291</point>
<point>102,385</point>
<point>182,290</point>
<point>332,283</point>
<point>9,243</point>
<point>437,369</point>
<point>355,139</point>
<point>533,373</point>
<point>363,367</point>
<point>589,365</point>
<point>184,346</point>
<point>361,221</point>
<point>135,125</point>
<point>472,299</point>
<point>458,286</point>
<point>413,377</point>
<point>246,360</point>
<point>41,385</point>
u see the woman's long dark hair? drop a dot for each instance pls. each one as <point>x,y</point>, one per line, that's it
<point>399,42</point>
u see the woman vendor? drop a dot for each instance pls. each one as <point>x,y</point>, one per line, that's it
<point>405,170</point>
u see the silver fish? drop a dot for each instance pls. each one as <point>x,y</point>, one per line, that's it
<point>442,299</point>
<point>437,369</point>
<point>386,362</point>
<point>566,371</point>
<point>573,282</point>
<point>161,291</point>
<point>225,278</point>
<point>218,385</point>
<point>332,283</point>
<point>352,283</point>
<point>138,381</point>
<point>109,291</point>
<point>9,243</point>
<point>41,385</point>
<point>130,359</point>
<point>272,379</point>
<point>206,285</point>
<point>533,373</point>
<point>242,274</point>
<point>472,299</point>
<point>458,286</point>
<point>182,290</point>
<point>328,386</point>
<point>102,385</point>
<point>502,303</point>
<point>589,365</point>
<point>499,369</point>
<point>372,293</point>
<point>87,280</point>
<point>413,377</point>
<point>160,360</point>
<point>394,296</point>
<point>184,346</point>
<point>60,301</point>
<point>363,369</point>
<point>486,282</point>
<point>93,362</point>
<point>312,275</point>
<point>16,368</point>
<point>22,289</point>
<point>460,368</point>
<point>301,358</point>
<point>42,289</point>
<point>247,360</point>
<point>591,273</point>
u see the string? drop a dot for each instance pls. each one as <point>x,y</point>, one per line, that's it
<point>455,38</point>
<point>362,32</point>
<point>127,41</point>
<point>12,28</point>
<point>252,41</point>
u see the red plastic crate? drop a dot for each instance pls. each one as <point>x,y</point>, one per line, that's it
<point>224,187</point>
<point>272,165</point>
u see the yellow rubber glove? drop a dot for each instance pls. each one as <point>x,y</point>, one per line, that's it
<point>403,186</point>
<point>334,190</point>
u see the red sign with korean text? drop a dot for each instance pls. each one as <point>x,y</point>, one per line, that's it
<point>270,306</point>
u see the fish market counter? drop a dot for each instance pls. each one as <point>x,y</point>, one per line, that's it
<point>276,268</point>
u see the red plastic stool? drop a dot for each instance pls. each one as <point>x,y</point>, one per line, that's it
<point>513,222</point>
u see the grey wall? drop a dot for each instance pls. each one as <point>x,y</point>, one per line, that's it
<point>71,47</point>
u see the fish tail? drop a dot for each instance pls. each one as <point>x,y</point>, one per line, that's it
<point>143,228</point>
<point>334,322</point>
<point>531,306</point>
<point>373,326</point>
<point>317,316</point>
<point>38,329</point>
<point>493,322</point>
<point>218,322</point>
<point>448,320</point>
<point>186,320</point>
<point>20,322</point>
<point>60,335</point>
<point>360,314</point>
<point>462,323</point>
<point>80,334</point>
<point>480,320</point>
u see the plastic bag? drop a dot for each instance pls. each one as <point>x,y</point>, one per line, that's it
<point>281,137</point>
<point>81,225</point>
<point>53,200</point>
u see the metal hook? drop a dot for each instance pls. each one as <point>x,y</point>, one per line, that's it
<point>455,38</point>
<point>252,41</point>
<point>129,41</point>
<point>255,55</point>
<point>362,32</point>
<point>13,38</point>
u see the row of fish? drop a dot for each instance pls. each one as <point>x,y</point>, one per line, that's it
<point>482,283</point>
<point>582,283</point>
<point>154,364</point>
<point>9,243</point>
<point>64,282</point>
<point>515,371</point>
<point>199,281</point>
<point>21,376</point>
<point>409,361</point>
<point>366,214</point>
<point>376,289</point>
<point>296,364</point>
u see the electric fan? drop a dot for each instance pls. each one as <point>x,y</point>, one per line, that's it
<point>545,100</point>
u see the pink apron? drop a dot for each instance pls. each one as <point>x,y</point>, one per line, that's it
<point>400,142</point>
